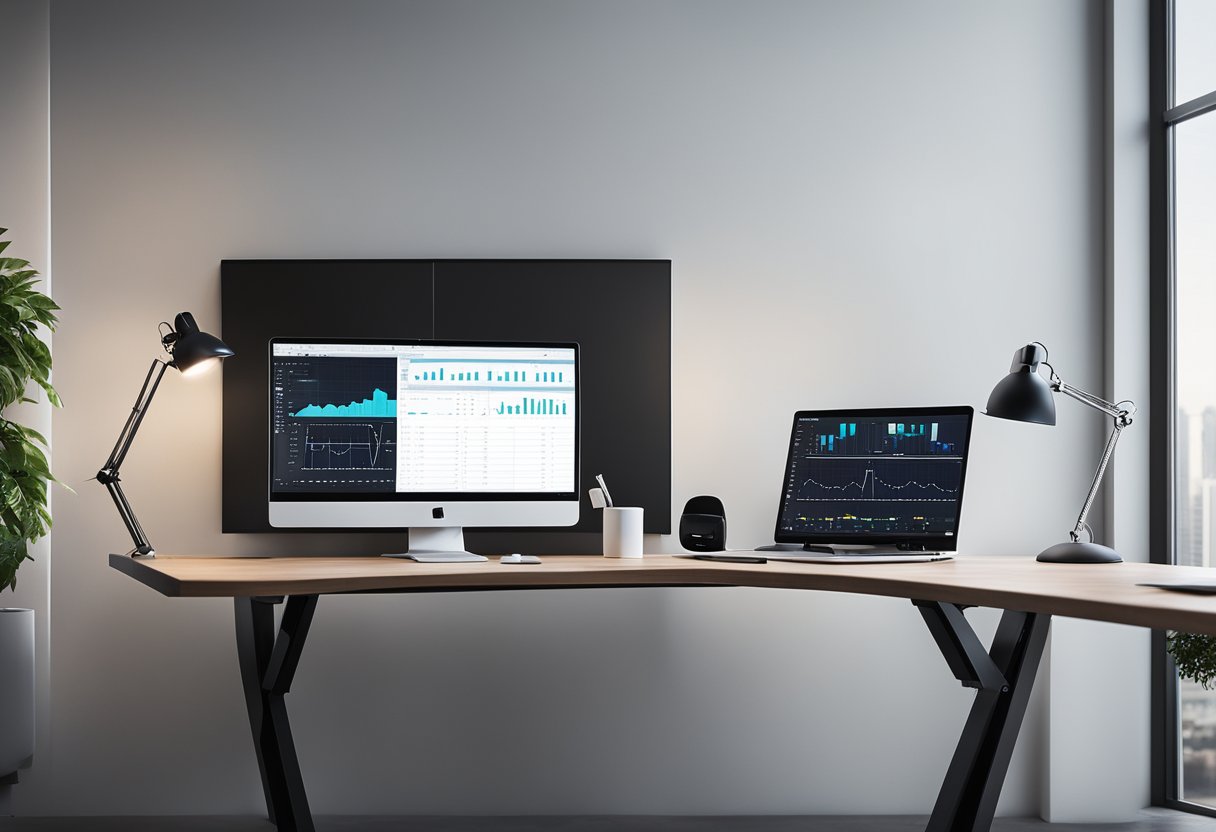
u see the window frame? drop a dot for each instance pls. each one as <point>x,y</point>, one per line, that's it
<point>1164,115</point>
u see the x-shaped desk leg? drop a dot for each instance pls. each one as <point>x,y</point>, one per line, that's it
<point>1003,676</point>
<point>267,667</point>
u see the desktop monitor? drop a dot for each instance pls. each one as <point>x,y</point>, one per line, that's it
<point>888,479</point>
<point>429,435</point>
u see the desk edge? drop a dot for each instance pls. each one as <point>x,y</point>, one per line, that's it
<point>153,578</point>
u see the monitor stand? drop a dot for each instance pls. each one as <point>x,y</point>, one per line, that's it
<point>840,549</point>
<point>442,544</point>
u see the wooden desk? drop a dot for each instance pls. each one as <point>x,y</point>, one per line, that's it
<point>1028,592</point>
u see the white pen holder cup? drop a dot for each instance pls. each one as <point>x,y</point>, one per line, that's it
<point>623,532</point>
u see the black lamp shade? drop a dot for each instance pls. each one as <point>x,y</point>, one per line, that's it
<point>1024,395</point>
<point>193,346</point>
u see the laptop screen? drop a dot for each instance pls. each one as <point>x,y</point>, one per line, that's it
<point>890,476</point>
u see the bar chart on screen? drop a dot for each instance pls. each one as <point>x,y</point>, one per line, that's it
<point>503,373</point>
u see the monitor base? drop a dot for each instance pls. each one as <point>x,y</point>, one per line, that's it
<point>440,557</point>
<point>443,544</point>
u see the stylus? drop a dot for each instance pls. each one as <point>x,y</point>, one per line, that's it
<point>604,487</point>
<point>731,558</point>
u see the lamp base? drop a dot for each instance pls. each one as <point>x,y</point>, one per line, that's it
<point>1079,553</point>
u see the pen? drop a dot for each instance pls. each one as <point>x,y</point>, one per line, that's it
<point>604,487</point>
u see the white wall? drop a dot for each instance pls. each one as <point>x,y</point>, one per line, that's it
<point>866,203</point>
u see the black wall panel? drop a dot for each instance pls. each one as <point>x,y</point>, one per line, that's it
<point>620,313</point>
<point>262,299</point>
<point>618,310</point>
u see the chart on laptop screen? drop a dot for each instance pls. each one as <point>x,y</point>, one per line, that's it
<point>852,476</point>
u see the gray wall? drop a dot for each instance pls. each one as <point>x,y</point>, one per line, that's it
<point>865,204</point>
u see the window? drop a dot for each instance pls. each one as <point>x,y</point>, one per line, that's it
<point>1191,144</point>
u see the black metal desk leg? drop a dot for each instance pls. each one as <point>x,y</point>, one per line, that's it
<point>1004,676</point>
<point>267,667</point>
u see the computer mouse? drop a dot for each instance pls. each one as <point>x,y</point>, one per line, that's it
<point>518,558</point>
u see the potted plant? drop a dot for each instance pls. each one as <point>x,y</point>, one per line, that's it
<point>24,478</point>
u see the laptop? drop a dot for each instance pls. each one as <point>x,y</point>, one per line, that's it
<point>873,486</point>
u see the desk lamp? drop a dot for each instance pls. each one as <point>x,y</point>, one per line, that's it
<point>192,352</point>
<point>1025,396</point>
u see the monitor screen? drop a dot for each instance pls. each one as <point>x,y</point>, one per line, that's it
<point>381,420</point>
<point>875,476</point>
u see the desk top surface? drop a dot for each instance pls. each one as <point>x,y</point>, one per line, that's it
<point>1102,592</point>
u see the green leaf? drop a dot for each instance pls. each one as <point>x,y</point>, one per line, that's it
<point>30,433</point>
<point>13,551</point>
<point>10,345</point>
<point>11,388</point>
<point>51,395</point>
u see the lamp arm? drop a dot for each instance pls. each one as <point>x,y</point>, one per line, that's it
<point>108,475</point>
<point>127,434</point>
<point>1109,452</point>
<point>1119,411</point>
<point>142,547</point>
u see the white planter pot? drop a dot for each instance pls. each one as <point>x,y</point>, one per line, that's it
<point>16,689</point>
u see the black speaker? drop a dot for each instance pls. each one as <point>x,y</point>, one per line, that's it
<point>703,525</point>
